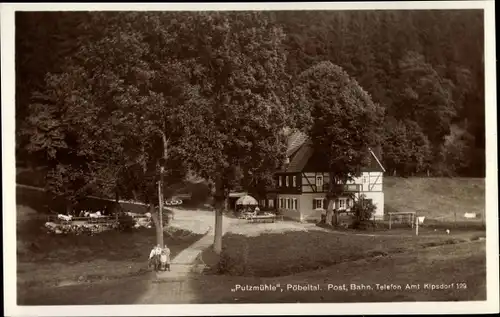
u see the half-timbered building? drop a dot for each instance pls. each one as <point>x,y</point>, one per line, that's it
<point>303,181</point>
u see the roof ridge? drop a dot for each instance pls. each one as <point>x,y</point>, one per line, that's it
<point>376,158</point>
<point>295,141</point>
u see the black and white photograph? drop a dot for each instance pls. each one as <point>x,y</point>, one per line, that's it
<point>158,158</point>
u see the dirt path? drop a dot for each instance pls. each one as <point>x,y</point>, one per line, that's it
<point>173,286</point>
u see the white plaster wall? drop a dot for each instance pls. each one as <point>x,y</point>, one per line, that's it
<point>378,201</point>
<point>376,181</point>
<point>306,203</point>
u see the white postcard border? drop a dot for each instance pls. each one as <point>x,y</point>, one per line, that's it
<point>8,173</point>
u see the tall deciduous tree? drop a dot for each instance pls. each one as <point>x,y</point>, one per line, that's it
<point>242,78</point>
<point>368,45</point>
<point>453,152</point>
<point>43,41</point>
<point>345,124</point>
<point>114,112</point>
<point>425,97</point>
<point>407,150</point>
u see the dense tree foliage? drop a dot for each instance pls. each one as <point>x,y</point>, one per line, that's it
<point>345,124</point>
<point>241,74</point>
<point>128,98</point>
<point>103,98</point>
<point>104,121</point>
<point>425,67</point>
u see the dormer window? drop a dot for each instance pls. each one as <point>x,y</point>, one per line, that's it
<point>287,161</point>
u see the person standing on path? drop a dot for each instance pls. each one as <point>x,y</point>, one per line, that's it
<point>165,258</point>
<point>154,256</point>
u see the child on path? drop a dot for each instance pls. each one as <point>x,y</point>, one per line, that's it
<point>165,258</point>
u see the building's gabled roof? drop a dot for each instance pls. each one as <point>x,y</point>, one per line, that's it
<point>295,141</point>
<point>374,164</point>
<point>300,151</point>
<point>299,158</point>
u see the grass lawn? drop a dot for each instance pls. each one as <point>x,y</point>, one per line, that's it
<point>291,252</point>
<point>45,262</point>
<point>444,264</point>
<point>121,291</point>
<point>437,198</point>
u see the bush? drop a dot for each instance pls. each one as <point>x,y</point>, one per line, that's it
<point>323,219</point>
<point>237,264</point>
<point>126,222</point>
<point>363,212</point>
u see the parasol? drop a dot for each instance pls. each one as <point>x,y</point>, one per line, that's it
<point>246,201</point>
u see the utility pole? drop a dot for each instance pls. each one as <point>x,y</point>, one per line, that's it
<point>160,206</point>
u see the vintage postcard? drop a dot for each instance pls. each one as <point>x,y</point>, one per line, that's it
<point>249,158</point>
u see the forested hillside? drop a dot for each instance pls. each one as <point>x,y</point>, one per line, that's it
<point>425,68</point>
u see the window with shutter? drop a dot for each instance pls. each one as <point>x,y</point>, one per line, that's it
<point>342,203</point>
<point>318,203</point>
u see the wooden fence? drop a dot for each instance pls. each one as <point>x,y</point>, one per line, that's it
<point>102,219</point>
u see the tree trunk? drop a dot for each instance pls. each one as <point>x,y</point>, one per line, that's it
<point>69,208</point>
<point>117,206</point>
<point>221,200</point>
<point>330,219</point>
<point>329,211</point>
<point>160,208</point>
<point>218,230</point>
<point>134,194</point>
<point>156,220</point>
<point>159,231</point>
